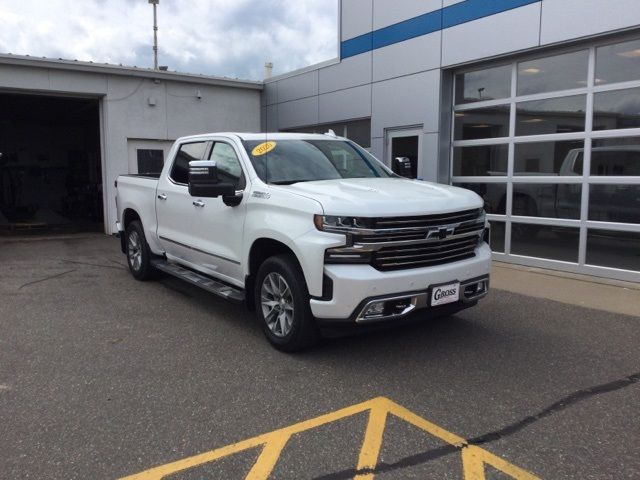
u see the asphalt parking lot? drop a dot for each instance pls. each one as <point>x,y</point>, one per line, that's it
<point>102,376</point>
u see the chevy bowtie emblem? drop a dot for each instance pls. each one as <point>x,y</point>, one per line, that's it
<point>441,232</point>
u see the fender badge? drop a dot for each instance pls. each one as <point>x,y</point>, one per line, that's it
<point>264,195</point>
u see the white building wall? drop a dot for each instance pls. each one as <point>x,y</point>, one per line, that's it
<point>127,113</point>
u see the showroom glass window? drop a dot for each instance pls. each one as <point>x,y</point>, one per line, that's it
<point>551,142</point>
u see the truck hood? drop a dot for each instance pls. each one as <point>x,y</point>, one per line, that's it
<point>371,197</point>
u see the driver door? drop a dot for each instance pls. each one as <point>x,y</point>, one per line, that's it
<point>174,205</point>
<point>217,227</point>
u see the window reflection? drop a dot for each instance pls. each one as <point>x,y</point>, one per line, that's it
<point>547,200</point>
<point>555,115</point>
<point>489,122</point>
<point>618,63</point>
<point>608,248</point>
<point>617,109</point>
<point>549,158</point>
<point>616,156</point>
<point>488,84</point>
<point>556,243</point>
<point>560,72</point>
<point>497,236</point>
<point>493,194</point>
<point>614,203</point>
<point>480,161</point>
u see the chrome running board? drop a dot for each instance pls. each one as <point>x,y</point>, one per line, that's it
<point>200,280</point>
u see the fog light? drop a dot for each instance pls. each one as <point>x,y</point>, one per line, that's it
<point>375,309</point>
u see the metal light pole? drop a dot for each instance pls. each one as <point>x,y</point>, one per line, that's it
<point>155,33</point>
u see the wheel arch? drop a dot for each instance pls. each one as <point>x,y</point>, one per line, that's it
<point>129,215</point>
<point>262,249</point>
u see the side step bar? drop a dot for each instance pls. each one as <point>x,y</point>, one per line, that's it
<point>200,280</point>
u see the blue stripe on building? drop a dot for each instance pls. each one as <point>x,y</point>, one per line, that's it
<point>434,21</point>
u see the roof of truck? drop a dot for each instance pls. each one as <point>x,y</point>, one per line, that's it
<point>268,136</point>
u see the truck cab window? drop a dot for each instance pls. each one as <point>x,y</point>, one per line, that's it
<point>186,153</point>
<point>229,169</point>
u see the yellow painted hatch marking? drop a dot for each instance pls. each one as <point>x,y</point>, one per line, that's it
<point>474,458</point>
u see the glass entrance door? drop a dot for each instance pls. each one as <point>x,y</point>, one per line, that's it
<point>404,144</point>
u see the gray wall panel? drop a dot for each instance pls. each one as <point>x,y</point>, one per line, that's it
<point>377,148</point>
<point>270,93</point>
<point>351,72</point>
<point>428,169</point>
<point>411,56</point>
<point>218,109</point>
<point>345,104</point>
<point>271,118</point>
<point>388,12</point>
<point>355,18</point>
<point>568,19</point>
<point>299,86</point>
<point>298,113</point>
<point>24,77</point>
<point>72,82</point>
<point>505,32</point>
<point>404,101</point>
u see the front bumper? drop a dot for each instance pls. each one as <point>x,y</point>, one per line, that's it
<point>355,286</point>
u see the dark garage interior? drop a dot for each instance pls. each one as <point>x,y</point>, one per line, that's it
<point>50,171</point>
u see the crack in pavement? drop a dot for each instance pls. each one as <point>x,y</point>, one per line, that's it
<point>439,452</point>
<point>51,277</point>
<point>91,264</point>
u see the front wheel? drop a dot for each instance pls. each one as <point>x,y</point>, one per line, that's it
<point>282,302</point>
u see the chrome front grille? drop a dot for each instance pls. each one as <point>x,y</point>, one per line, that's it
<point>425,221</point>
<point>425,255</point>
<point>395,243</point>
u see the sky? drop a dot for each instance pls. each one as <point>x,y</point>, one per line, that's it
<point>232,38</point>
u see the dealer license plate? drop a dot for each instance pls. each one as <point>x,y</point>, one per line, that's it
<point>443,294</point>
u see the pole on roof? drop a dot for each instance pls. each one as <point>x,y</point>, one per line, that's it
<point>155,33</point>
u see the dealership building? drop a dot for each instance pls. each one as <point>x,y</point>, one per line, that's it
<point>533,104</point>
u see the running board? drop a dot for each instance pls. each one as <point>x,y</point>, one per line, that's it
<point>200,280</point>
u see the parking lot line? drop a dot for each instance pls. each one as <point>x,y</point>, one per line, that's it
<point>474,459</point>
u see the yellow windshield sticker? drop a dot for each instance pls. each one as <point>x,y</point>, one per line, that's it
<point>263,148</point>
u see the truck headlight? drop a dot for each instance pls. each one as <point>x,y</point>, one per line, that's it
<point>339,224</point>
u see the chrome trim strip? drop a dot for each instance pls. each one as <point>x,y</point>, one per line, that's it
<point>418,263</point>
<point>359,247</point>
<point>198,250</point>
<point>418,300</point>
<point>430,223</point>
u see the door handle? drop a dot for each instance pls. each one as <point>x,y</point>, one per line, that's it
<point>199,203</point>
<point>162,196</point>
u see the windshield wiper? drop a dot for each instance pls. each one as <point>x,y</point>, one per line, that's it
<point>287,182</point>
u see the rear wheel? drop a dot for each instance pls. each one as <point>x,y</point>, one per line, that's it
<point>282,304</point>
<point>138,252</point>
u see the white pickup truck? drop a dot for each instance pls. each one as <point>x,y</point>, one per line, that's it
<point>309,230</point>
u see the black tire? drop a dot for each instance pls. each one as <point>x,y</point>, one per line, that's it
<point>303,331</point>
<point>138,253</point>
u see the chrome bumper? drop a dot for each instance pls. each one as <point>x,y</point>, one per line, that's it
<point>470,291</point>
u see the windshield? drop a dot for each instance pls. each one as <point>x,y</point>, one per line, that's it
<point>284,162</point>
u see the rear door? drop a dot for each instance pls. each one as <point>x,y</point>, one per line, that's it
<point>174,205</point>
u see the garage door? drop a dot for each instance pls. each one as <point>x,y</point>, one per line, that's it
<point>50,168</point>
